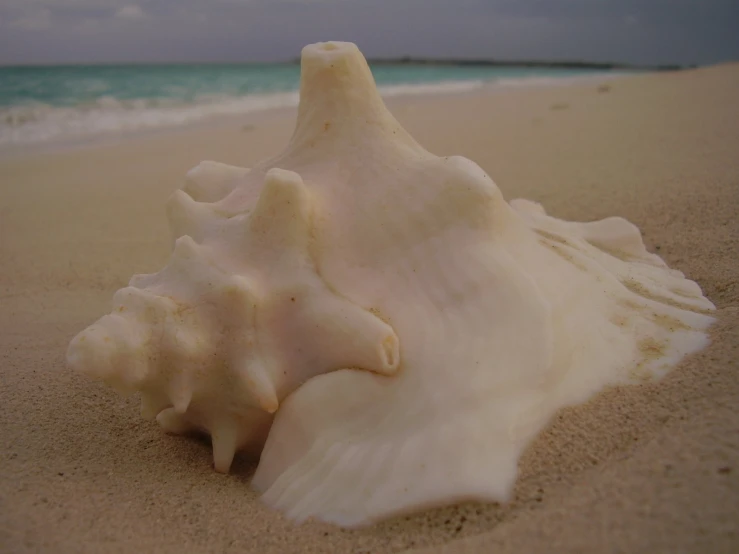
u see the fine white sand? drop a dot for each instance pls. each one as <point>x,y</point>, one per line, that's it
<point>650,468</point>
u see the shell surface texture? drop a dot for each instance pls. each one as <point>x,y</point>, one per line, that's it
<point>378,322</point>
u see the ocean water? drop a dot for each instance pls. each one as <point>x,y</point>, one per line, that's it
<point>42,104</point>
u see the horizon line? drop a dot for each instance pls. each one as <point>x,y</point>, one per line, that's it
<point>400,60</point>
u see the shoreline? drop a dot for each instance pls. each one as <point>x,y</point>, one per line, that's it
<point>391,94</point>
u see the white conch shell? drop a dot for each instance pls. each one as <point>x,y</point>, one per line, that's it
<point>410,331</point>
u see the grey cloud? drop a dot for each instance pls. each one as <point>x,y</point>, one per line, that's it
<point>649,31</point>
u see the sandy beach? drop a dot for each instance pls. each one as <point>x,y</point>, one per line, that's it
<point>649,468</point>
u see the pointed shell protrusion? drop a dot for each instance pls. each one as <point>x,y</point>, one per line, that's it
<point>107,345</point>
<point>239,298</point>
<point>213,181</point>
<point>345,335</point>
<point>189,217</point>
<point>281,217</point>
<point>180,393</point>
<point>153,403</point>
<point>224,437</point>
<point>259,382</point>
<point>172,422</point>
<point>133,301</point>
<point>185,248</point>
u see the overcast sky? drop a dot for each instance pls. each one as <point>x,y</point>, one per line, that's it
<point>641,31</point>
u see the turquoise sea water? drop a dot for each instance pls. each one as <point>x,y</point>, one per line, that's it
<point>41,104</point>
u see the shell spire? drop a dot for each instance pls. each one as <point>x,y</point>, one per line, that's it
<point>339,101</point>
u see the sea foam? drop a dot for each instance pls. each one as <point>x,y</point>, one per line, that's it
<point>33,122</point>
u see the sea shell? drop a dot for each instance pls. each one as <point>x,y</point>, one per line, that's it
<point>394,329</point>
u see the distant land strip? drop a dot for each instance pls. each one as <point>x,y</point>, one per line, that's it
<point>524,63</point>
